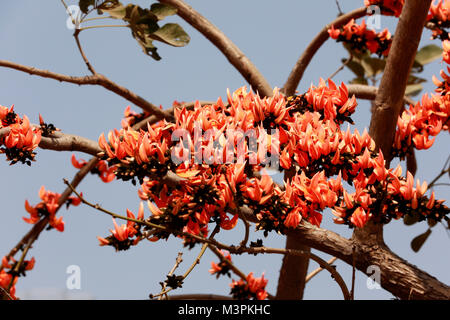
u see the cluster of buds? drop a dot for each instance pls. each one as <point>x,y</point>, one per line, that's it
<point>21,137</point>
<point>48,208</point>
<point>250,288</point>
<point>361,39</point>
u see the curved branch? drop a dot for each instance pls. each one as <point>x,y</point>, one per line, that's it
<point>97,79</point>
<point>302,63</point>
<point>68,142</point>
<point>234,55</point>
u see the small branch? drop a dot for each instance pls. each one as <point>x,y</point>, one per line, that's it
<point>339,8</point>
<point>302,63</point>
<point>352,292</point>
<point>370,92</point>
<point>97,79</point>
<point>234,55</point>
<point>318,270</point>
<point>178,261</point>
<point>105,26</point>
<point>444,171</point>
<point>83,55</point>
<point>341,67</point>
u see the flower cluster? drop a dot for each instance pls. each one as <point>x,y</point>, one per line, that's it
<point>192,179</point>
<point>360,39</point>
<point>388,7</point>
<point>125,235</point>
<point>427,118</point>
<point>250,288</point>
<point>101,169</point>
<point>439,17</point>
<point>47,208</point>
<point>21,138</point>
<point>8,279</point>
<point>221,268</point>
<point>419,123</point>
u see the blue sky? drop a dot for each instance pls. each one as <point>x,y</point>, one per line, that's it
<point>272,34</point>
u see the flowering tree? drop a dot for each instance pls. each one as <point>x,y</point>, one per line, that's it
<point>203,167</point>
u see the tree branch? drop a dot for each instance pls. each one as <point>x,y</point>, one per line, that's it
<point>370,93</point>
<point>97,79</point>
<point>302,63</point>
<point>234,55</point>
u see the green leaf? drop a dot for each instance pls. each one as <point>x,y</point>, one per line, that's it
<point>413,79</point>
<point>162,10</point>
<point>428,54</point>
<point>359,80</point>
<point>373,66</point>
<point>172,34</point>
<point>355,67</point>
<point>413,89</point>
<point>117,12</point>
<point>418,241</point>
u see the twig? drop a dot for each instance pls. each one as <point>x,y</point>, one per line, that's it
<point>97,79</point>
<point>318,270</point>
<point>352,292</point>
<point>366,92</point>
<point>444,170</point>
<point>339,8</point>
<point>6,293</point>
<point>83,55</point>
<point>178,261</point>
<point>234,55</point>
<point>302,63</point>
<point>341,67</point>
<point>193,265</point>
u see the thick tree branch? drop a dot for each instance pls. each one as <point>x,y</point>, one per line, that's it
<point>97,79</point>
<point>302,63</point>
<point>389,100</point>
<point>402,279</point>
<point>370,93</point>
<point>234,55</point>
